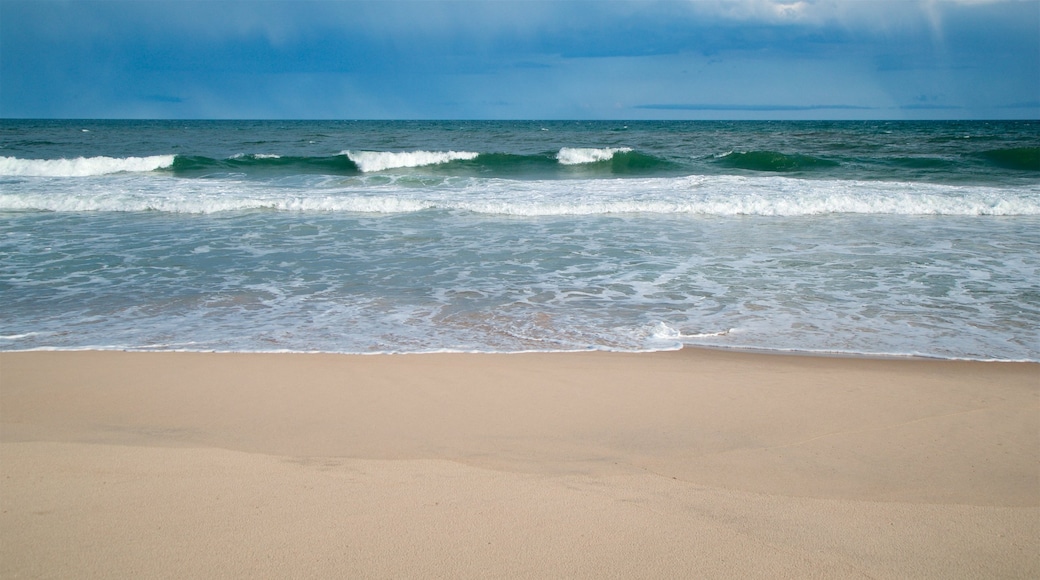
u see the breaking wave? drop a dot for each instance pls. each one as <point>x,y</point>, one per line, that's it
<point>368,161</point>
<point>81,166</point>
<point>580,155</point>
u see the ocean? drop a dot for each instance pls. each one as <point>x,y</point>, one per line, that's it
<point>865,238</point>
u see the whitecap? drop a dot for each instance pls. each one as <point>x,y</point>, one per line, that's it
<point>81,166</point>
<point>368,161</point>
<point>581,155</point>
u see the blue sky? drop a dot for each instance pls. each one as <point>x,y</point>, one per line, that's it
<point>502,59</point>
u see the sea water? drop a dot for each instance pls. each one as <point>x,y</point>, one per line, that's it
<point>876,238</point>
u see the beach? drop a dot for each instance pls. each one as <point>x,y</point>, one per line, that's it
<point>743,289</point>
<point>690,463</point>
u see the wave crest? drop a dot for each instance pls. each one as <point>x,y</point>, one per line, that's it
<point>582,155</point>
<point>81,166</point>
<point>369,161</point>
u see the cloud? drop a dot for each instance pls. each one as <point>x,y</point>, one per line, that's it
<point>771,11</point>
<point>401,58</point>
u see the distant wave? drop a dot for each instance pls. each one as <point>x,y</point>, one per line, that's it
<point>81,166</point>
<point>722,195</point>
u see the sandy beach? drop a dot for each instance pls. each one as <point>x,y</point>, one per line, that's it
<point>694,463</point>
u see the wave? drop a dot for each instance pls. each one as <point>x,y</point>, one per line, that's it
<point>773,161</point>
<point>1020,158</point>
<point>261,163</point>
<point>580,155</point>
<point>368,161</point>
<point>514,165</point>
<point>618,160</point>
<point>81,166</point>
<point>721,195</point>
<point>566,162</point>
<point>925,163</point>
<point>615,160</point>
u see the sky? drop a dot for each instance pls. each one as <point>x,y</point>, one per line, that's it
<point>520,59</point>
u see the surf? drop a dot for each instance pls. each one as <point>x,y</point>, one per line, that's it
<point>81,166</point>
<point>719,195</point>
<point>371,161</point>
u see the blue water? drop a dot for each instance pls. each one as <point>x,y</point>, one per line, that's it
<point>865,238</point>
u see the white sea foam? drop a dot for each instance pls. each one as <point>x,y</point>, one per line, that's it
<point>580,155</point>
<point>18,336</point>
<point>81,166</point>
<point>210,204</point>
<point>368,161</point>
<point>697,195</point>
<point>731,196</point>
<point>662,331</point>
<point>954,287</point>
<point>255,156</point>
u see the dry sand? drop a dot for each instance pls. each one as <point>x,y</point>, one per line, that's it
<point>602,465</point>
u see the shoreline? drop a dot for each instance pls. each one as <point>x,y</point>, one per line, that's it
<point>699,461</point>
<point>684,347</point>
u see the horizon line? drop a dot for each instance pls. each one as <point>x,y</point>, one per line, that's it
<point>526,120</point>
